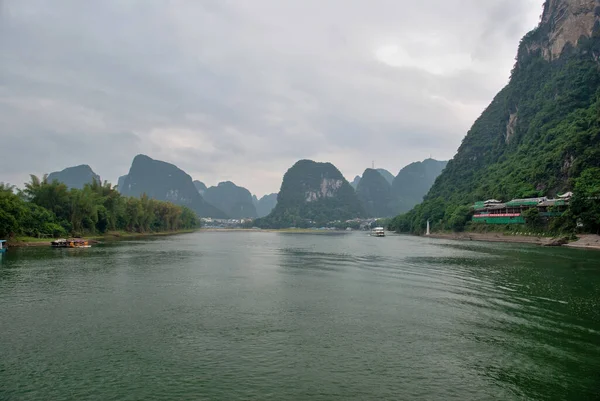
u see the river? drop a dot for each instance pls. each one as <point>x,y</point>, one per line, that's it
<point>281,316</point>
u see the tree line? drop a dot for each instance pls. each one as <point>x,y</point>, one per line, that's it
<point>51,209</point>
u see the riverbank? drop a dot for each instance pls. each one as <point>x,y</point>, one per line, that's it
<point>22,242</point>
<point>588,241</point>
<point>583,241</point>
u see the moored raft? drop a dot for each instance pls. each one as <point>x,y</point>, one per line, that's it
<point>70,243</point>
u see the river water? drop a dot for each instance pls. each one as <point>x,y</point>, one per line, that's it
<point>279,316</point>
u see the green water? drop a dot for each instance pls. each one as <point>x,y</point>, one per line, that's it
<point>268,316</point>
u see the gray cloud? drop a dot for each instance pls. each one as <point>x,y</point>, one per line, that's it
<point>239,90</point>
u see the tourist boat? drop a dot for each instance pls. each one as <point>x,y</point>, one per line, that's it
<point>70,243</point>
<point>3,246</point>
<point>378,232</point>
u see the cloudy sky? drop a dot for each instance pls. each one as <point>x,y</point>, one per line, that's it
<point>241,89</point>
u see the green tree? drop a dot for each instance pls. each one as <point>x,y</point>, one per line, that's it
<point>459,218</point>
<point>585,205</point>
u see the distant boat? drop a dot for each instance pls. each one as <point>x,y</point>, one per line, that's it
<point>378,232</point>
<point>70,243</point>
<point>3,246</point>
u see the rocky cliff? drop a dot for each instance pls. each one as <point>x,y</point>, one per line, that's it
<point>313,194</point>
<point>564,23</point>
<point>75,177</point>
<point>165,181</point>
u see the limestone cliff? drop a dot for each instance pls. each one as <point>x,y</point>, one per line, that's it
<point>564,23</point>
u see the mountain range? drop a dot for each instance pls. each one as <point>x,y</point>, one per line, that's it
<point>374,195</point>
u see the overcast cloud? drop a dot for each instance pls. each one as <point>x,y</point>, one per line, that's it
<point>241,89</point>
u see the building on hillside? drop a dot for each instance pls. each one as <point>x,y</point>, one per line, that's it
<point>495,212</point>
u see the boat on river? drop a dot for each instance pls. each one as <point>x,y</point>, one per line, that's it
<point>378,232</point>
<point>70,243</point>
<point>3,246</point>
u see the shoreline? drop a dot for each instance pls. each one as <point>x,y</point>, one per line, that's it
<point>586,241</point>
<point>95,239</point>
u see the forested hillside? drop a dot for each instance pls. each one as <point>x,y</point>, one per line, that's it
<point>539,134</point>
<point>312,194</point>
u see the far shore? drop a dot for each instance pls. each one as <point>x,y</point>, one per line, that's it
<point>587,241</point>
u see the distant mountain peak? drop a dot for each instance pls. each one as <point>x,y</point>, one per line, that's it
<point>313,193</point>
<point>165,181</point>
<point>75,177</point>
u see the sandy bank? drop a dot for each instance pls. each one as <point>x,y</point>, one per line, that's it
<point>588,241</point>
<point>584,241</point>
<point>495,237</point>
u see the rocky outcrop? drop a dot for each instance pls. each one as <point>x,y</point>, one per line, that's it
<point>564,23</point>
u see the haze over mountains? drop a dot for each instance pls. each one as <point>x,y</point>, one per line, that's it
<point>165,181</point>
<point>322,184</point>
<point>75,177</point>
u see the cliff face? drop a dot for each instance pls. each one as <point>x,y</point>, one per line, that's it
<point>564,22</point>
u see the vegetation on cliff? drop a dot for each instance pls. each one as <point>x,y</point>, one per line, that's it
<point>312,194</point>
<point>539,136</point>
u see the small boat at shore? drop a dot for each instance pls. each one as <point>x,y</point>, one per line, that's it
<point>378,232</point>
<point>70,243</point>
<point>3,246</point>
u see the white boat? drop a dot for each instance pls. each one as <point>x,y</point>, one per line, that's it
<point>378,232</point>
